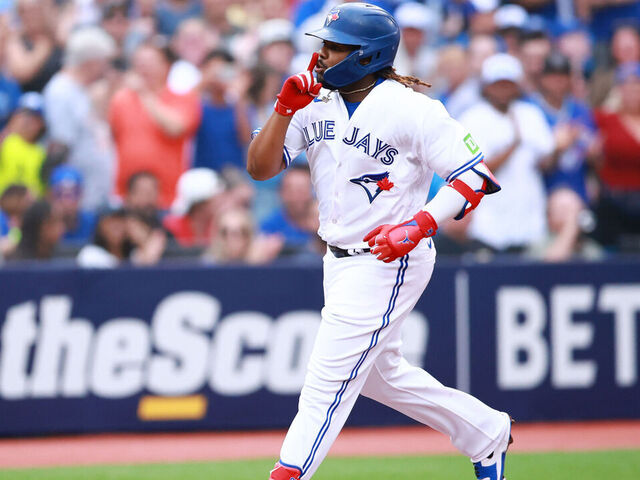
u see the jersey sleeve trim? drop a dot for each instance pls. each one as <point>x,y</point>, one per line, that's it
<point>286,157</point>
<point>470,164</point>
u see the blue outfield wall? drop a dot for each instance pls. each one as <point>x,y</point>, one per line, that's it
<point>81,351</point>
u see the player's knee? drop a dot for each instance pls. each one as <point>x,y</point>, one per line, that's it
<point>280,472</point>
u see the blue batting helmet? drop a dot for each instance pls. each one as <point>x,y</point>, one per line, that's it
<point>373,30</point>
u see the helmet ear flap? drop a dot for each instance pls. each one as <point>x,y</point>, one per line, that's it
<point>346,72</point>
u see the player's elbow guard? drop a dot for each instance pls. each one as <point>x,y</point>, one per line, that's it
<point>473,185</point>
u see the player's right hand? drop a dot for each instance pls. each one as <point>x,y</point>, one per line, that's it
<point>390,242</point>
<point>298,90</point>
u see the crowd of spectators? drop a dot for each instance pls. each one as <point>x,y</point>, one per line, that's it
<point>125,124</point>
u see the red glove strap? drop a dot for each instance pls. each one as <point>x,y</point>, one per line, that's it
<point>283,109</point>
<point>427,224</point>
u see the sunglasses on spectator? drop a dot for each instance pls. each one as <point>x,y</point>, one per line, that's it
<point>67,192</point>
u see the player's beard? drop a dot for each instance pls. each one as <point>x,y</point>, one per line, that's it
<point>325,84</point>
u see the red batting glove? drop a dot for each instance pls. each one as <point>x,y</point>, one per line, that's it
<point>298,90</point>
<point>389,242</point>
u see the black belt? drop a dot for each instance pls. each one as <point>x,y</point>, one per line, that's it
<point>350,252</point>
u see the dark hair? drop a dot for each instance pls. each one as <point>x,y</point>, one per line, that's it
<point>32,222</point>
<point>113,6</point>
<point>220,53</point>
<point>389,73</point>
<point>131,181</point>
<point>160,45</point>
<point>558,63</point>
<point>13,190</point>
<point>533,35</point>
<point>259,75</point>
<point>294,168</point>
<point>151,221</point>
<point>99,238</point>
<point>626,24</point>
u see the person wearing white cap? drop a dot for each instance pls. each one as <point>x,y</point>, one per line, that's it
<point>275,45</point>
<point>511,21</point>
<point>516,140</point>
<point>75,126</point>
<point>194,209</point>
<point>415,56</point>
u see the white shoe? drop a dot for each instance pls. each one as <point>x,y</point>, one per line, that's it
<point>492,467</point>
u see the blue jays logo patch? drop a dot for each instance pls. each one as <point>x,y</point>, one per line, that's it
<point>332,17</point>
<point>373,184</point>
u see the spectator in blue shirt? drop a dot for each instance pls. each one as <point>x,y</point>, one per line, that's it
<point>296,219</point>
<point>9,95</point>
<point>224,132</point>
<point>170,13</point>
<point>6,246</point>
<point>565,171</point>
<point>65,191</point>
<point>603,17</point>
<point>4,224</point>
<point>573,126</point>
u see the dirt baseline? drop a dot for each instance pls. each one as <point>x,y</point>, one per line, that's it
<point>181,447</point>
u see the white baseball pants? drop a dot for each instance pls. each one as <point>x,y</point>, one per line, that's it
<point>357,351</point>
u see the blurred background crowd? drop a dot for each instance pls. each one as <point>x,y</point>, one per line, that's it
<point>125,123</point>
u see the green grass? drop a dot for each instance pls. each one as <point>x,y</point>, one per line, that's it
<point>615,465</point>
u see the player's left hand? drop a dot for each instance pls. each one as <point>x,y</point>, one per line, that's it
<point>390,242</point>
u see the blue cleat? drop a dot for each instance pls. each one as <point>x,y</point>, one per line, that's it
<point>492,467</point>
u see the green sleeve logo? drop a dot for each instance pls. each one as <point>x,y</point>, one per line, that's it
<point>471,145</point>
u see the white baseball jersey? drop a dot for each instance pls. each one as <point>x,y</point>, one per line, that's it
<point>376,167</point>
<point>367,170</point>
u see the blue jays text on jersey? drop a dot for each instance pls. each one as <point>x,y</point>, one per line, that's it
<point>325,130</point>
<point>349,154</point>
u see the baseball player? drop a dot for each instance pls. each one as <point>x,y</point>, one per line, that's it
<point>373,146</point>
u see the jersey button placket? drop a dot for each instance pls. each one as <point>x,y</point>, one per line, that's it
<point>337,192</point>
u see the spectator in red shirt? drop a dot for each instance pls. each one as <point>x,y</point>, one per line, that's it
<point>151,125</point>
<point>618,211</point>
<point>194,211</point>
